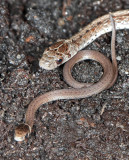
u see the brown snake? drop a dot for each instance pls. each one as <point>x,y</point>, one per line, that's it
<point>80,90</point>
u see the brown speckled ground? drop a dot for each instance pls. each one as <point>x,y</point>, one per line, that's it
<point>95,128</point>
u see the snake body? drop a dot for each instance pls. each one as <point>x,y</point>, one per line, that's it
<point>64,50</point>
<point>53,57</point>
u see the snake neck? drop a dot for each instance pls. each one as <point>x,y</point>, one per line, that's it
<point>99,27</point>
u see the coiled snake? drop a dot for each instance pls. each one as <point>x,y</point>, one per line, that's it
<point>64,50</point>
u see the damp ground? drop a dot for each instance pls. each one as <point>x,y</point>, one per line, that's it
<point>94,128</point>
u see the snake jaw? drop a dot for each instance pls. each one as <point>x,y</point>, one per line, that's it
<point>45,64</point>
<point>21,131</point>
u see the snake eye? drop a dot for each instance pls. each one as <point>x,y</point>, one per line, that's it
<point>59,61</point>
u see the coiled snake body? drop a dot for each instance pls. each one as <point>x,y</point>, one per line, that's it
<point>64,50</point>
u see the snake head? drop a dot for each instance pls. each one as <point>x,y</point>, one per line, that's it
<point>55,55</point>
<point>21,131</point>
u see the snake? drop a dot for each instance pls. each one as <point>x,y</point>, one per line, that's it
<point>69,51</point>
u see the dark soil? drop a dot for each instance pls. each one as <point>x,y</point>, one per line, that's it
<point>95,128</point>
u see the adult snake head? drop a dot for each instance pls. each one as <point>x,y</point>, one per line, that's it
<point>56,55</point>
<point>21,131</point>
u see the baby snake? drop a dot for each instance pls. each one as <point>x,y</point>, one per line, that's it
<point>63,50</point>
